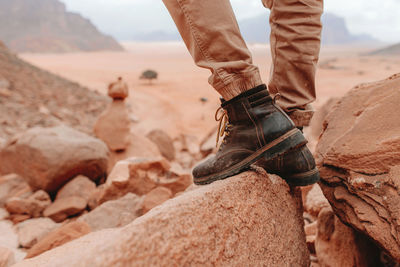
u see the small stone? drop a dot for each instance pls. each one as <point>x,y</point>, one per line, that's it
<point>3,214</point>
<point>33,206</point>
<point>163,142</point>
<point>114,213</point>
<point>118,89</point>
<point>315,201</point>
<point>58,237</point>
<point>62,208</point>
<point>13,185</point>
<point>80,186</point>
<point>31,231</point>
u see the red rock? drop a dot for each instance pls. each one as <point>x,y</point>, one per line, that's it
<point>49,157</point>
<point>311,228</point>
<point>94,198</point>
<point>33,206</point>
<point>163,142</point>
<point>62,208</point>
<point>31,231</point>
<point>339,245</point>
<point>144,175</point>
<point>310,240</point>
<point>248,220</point>
<point>13,185</point>
<point>156,197</point>
<point>114,213</point>
<point>6,257</point>
<point>58,237</point>
<point>113,126</point>
<point>359,161</point>
<point>315,201</point>
<point>18,218</point>
<point>80,186</point>
<point>118,89</point>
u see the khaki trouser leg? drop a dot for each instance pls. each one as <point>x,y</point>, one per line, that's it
<point>295,44</point>
<point>211,34</point>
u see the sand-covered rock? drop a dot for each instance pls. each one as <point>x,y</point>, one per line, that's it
<point>359,160</point>
<point>58,237</point>
<point>49,157</point>
<point>251,219</point>
<point>114,213</point>
<point>164,143</point>
<point>141,175</point>
<point>339,245</point>
<point>113,126</point>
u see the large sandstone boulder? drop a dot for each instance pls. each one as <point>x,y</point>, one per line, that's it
<point>113,126</point>
<point>49,157</point>
<point>359,160</point>
<point>164,143</point>
<point>251,219</point>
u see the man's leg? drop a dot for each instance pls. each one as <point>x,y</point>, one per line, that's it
<point>211,34</point>
<point>295,44</point>
<point>254,127</point>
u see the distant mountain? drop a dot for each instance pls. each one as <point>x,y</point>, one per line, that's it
<point>46,26</point>
<point>257,30</point>
<point>334,30</point>
<point>389,50</point>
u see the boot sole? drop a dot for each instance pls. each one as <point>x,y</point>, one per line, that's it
<point>290,140</point>
<point>302,179</point>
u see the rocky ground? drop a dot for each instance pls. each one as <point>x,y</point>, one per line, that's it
<point>75,195</point>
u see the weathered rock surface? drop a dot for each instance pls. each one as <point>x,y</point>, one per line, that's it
<point>13,185</point>
<point>9,239</point>
<point>359,161</point>
<point>62,208</point>
<point>33,206</point>
<point>49,157</point>
<point>80,186</point>
<point>248,220</point>
<point>3,214</point>
<point>164,143</point>
<point>114,213</point>
<point>156,197</point>
<point>113,126</point>
<point>58,237</point>
<point>339,245</point>
<point>31,231</point>
<point>6,257</point>
<point>141,175</point>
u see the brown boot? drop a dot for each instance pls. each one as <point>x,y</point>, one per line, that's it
<point>297,167</point>
<point>254,128</point>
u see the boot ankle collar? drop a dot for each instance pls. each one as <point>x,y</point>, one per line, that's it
<point>245,94</point>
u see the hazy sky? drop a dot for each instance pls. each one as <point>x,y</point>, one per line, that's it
<point>123,18</point>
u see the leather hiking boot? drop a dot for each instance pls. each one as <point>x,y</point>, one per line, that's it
<point>253,127</point>
<point>297,167</point>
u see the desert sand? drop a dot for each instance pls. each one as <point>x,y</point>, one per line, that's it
<point>173,101</point>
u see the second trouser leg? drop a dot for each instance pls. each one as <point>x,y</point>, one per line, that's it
<point>211,34</point>
<point>295,45</point>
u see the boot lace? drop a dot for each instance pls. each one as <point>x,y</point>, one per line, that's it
<point>224,127</point>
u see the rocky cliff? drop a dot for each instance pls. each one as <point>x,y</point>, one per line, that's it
<point>46,26</point>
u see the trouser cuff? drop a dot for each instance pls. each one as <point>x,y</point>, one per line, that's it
<point>239,85</point>
<point>301,117</point>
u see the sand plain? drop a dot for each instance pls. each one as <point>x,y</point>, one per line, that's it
<point>173,101</point>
